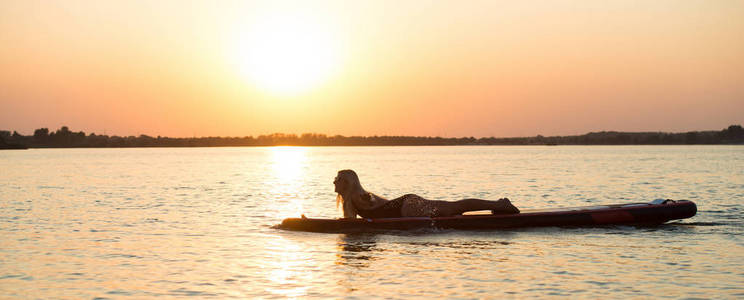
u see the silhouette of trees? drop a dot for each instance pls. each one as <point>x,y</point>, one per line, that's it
<point>41,135</point>
<point>7,140</point>
<point>732,134</point>
<point>64,137</point>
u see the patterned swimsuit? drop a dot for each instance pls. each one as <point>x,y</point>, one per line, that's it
<point>391,209</point>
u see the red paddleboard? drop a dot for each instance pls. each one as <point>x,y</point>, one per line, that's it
<point>656,212</point>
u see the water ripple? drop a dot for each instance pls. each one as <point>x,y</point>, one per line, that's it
<point>197,223</point>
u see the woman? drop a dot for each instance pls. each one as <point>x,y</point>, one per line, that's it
<point>356,201</point>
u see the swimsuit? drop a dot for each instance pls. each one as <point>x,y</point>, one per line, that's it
<point>391,209</point>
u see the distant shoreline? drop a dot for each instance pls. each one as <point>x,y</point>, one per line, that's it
<point>64,138</point>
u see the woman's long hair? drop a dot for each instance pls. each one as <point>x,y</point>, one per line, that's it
<point>353,186</point>
<point>339,200</point>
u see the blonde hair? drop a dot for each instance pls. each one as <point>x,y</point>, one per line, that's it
<point>339,200</point>
<point>352,187</point>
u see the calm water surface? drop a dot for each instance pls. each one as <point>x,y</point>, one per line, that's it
<point>197,223</point>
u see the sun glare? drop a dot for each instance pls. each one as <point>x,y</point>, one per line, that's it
<point>288,165</point>
<point>287,54</point>
<point>287,162</point>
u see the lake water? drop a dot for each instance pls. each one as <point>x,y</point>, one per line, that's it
<point>197,223</point>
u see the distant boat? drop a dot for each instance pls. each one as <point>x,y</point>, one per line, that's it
<point>551,144</point>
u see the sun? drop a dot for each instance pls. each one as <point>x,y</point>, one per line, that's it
<point>287,54</point>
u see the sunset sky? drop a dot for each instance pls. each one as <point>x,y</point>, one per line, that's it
<point>444,68</point>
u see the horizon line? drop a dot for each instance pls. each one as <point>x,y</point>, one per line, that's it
<point>364,136</point>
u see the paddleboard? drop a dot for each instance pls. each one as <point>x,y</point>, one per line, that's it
<point>655,212</point>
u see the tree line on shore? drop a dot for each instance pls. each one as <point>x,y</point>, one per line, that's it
<point>65,138</point>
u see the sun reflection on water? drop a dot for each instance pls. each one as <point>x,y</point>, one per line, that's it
<point>288,165</point>
<point>289,273</point>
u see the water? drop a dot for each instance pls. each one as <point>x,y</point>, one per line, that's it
<point>197,222</point>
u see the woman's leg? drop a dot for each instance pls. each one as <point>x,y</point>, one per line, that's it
<point>415,206</point>
<point>501,206</point>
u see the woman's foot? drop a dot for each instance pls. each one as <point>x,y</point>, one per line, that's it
<point>505,208</point>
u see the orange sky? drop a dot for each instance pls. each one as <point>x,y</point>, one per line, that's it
<point>446,68</point>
